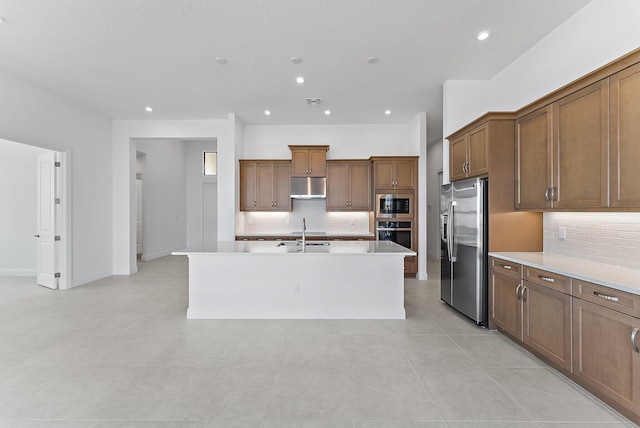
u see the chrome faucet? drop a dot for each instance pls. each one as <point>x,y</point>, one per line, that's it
<point>304,235</point>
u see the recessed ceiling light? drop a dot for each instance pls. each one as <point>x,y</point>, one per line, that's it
<point>387,112</point>
<point>300,79</point>
<point>327,112</point>
<point>220,60</point>
<point>296,59</point>
<point>483,35</point>
<point>267,112</point>
<point>149,109</point>
<point>372,60</point>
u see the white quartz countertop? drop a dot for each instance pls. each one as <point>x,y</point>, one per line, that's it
<point>275,247</point>
<point>619,278</point>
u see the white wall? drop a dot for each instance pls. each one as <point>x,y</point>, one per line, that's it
<point>33,116</point>
<point>346,141</point>
<point>164,202</point>
<point>434,165</point>
<point>18,193</point>
<point>124,166</point>
<point>196,182</point>
<point>418,144</point>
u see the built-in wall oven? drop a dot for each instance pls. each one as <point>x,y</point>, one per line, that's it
<point>394,206</point>
<point>398,231</point>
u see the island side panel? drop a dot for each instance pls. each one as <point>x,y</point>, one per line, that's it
<point>296,286</point>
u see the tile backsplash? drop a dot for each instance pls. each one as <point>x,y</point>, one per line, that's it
<point>612,238</point>
<point>317,218</point>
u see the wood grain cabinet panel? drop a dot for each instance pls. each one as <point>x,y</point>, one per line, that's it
<point>391,174</point>
<point>348,186</point>
<point>265,185</point>
<point>469,154</point>
<point>547,323</point>
<point>308,161</point>
<point>625,137</point>
<point>581,149</point>
<point>533,160</point>
<point>505,309</point>
<point>604,356</point>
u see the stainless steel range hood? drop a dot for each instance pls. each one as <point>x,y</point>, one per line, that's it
<point>308,187</point>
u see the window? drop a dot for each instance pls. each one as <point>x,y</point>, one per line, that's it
<point>210,163</point>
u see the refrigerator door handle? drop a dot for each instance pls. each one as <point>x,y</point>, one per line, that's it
<point>450,238</point>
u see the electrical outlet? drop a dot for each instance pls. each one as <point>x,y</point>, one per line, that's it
<point>249,220</point>
<point>353,221</point>
<point>562,232</point>
<point>286,220</point>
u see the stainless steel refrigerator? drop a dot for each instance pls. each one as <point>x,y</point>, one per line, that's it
<point>463,247</point>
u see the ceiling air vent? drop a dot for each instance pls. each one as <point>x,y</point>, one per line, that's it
<point>314,101</point>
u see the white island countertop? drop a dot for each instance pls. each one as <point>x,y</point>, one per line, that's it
<point>289,247</point>
<point>616,277</point>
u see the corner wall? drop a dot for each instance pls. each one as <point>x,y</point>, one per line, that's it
<point>34,116</point>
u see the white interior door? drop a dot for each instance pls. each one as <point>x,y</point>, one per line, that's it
<point>47,265</point>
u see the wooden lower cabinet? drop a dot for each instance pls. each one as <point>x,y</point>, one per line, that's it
<point>605,360</point>
<point>535,315</point>
<point>505,310</point>
<point>546,326</point>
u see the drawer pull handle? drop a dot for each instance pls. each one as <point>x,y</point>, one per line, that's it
<point>634,334</point>
<point>518,291</point>
<point>507,267</point>
<point>605,297</point>
<point>522,295</point>
<point>546,278</point>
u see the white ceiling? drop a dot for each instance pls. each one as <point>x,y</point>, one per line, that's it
<point>118,56</point>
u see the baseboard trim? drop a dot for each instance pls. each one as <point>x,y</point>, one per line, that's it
<point>18,272</point>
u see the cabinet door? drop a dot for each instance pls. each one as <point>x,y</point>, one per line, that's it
<point>265,199</point>
<point>505,306</point>
<point>533,160</point>
<point>248,189</point>
<point>581,148</point>
<point>604,357</point>
<point>317,163</point>
<point>337,186</point>
<point>360,186</point>
<point>299,163</point>
<point>478,151</point>
<point>547,323</point>
<point>405,174</point>
<point>624,137</point>
<point>383,174</point>
<point>282,186</point>
<point>458,158</point>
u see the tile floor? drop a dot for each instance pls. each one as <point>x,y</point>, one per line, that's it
<point>120,353</point>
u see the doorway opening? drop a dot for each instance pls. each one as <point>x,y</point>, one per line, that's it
<point>35,240</point>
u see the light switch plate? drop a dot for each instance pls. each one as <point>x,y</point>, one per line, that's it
<point>562,232</point>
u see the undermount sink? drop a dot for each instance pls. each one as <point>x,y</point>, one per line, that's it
<point>299,243</point>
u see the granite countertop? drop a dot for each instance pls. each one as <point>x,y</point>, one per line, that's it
<point>275,247</point>
<point>619,278</point>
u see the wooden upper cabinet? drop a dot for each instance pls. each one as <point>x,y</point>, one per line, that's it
<point>395,173</point>
<point>348,186</point>
<point>533,160</point>
<point>469,154</point>
<point>581,148</point>
<point>625,137</point>
<point>308,161</point>
<point>265,185</point>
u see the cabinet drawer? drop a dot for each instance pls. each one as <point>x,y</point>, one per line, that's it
<point>505,267</point>
<point>611,298</point>
<point>548,279</point>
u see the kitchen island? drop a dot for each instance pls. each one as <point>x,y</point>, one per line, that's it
<point>278,280</point>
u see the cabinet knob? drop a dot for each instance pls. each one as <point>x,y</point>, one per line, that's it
<point>518,291</point>
<point>546,194</point>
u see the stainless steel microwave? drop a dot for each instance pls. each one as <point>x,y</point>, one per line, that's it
<point>394,206</point>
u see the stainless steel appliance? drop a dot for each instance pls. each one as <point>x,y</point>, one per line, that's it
<point>394,206</point>
<point>396,231</point>
<point>463,255</point>
<point>309,187</point>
